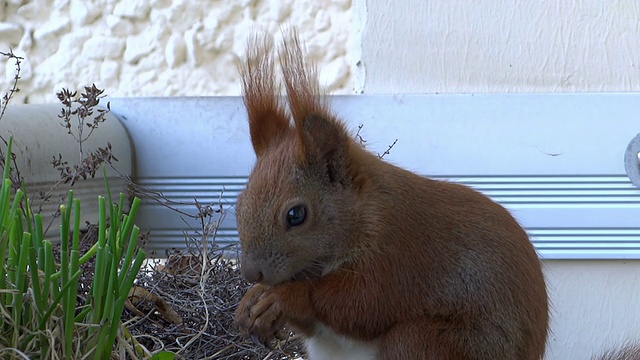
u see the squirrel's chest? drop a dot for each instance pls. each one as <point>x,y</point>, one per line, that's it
<point>326,344</point>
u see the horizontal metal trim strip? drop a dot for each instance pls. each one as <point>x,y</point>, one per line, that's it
<point>613,231</point>
<point>537,236</point>
<point>503,189</point>
<point>585,239</point>
<point>608,245</point>
<point>522,194</point>
<point>523,190</point>
<point>569,197</point>
<point>539,178</point>
<point>501,179</point>
<point>228,232</point>
<point>596,242</point>
<point>82,189</point>
<point>589,254</point>
<point>525,179</point>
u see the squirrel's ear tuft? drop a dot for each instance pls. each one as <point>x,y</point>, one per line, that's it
<point>268,118</point>
<point>301,81</point>
<point>323,147</point>
<point>322,138</point>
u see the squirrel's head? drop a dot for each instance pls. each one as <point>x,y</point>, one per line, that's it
<point>297,212</point>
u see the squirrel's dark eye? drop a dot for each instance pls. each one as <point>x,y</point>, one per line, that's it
<point>296,216</point>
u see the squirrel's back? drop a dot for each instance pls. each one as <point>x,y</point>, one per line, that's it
<point>477,265</point>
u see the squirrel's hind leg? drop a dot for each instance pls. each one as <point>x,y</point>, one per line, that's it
<point>441,340</point>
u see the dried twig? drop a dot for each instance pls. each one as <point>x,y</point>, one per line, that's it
<point>363,142</point>
<point>359,137</point>
<point>386,152</point>
<point>14,85</point>
<point>16,177</point>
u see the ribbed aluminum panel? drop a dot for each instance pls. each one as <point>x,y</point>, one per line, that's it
<point>555,161</point>
<point>175,227</point>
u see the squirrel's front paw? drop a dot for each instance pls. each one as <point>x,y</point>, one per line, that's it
<point>259,315</point>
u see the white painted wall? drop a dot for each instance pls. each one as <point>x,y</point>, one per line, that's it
<point>595,305</point>
<point>468,46</point>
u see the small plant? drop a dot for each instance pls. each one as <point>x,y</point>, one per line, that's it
<point>38,300</point>
<point>82,113</point>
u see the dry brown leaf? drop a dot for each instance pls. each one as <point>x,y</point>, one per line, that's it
<point>138,294</point>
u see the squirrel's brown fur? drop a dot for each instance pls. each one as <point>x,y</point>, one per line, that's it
<point>420,269</point>
<point>630,351</point>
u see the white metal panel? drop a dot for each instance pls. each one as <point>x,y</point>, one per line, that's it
<point>555,160</point>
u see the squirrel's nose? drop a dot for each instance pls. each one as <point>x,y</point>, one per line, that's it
<point>251,272</point>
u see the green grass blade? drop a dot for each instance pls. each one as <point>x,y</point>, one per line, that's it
<point>36,286</point>
<point>15,239</point>
<point>18,306</point>
<point>98,288</point>
<point>89,254</point>
<point>82,315</point>
<point>27,209</point>
<point>76,225</point>
<point>71,303</point>
<point>106,185</point>
<point>115,219</point>
<point>4,241</point>
<point>119,304</point>
<point>8,155</point>
<point>5,205</point>
<point>132,244</point>
<point>38,239</point>
<point>65,217</point>
<point>131,248</point>
<point>50,289</point>
<point>57,300</point>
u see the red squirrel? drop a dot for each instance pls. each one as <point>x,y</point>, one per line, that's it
<point>365,259</point>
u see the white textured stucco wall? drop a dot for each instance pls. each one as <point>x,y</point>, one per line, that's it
<point>161,47</point>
